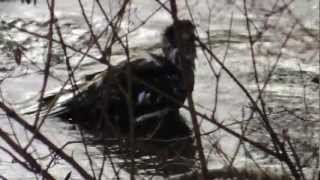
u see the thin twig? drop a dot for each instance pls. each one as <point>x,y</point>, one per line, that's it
<point>31,161</point>
<point>39,136</point>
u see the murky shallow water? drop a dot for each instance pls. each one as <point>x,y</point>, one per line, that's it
<point>296,68</point>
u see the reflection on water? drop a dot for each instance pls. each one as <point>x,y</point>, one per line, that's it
<point>151,157</point>
<point>163,145</point>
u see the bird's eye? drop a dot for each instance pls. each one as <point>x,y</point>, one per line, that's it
<point>186,36</point>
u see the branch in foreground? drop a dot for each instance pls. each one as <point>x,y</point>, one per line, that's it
<point>12,114</point>
<point>35,166</point>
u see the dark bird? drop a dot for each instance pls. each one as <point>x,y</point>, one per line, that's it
<point>149,90</point>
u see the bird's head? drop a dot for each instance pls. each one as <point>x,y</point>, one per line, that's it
<point>179,43</point>
<point>180,49</point>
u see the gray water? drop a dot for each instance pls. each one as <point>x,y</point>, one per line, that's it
<point>285,91</point>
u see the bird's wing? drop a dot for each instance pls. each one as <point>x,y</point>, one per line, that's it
<point>55,98</point>
<point>156,79</point>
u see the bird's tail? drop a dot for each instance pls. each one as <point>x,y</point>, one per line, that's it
<point>56,101</point>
